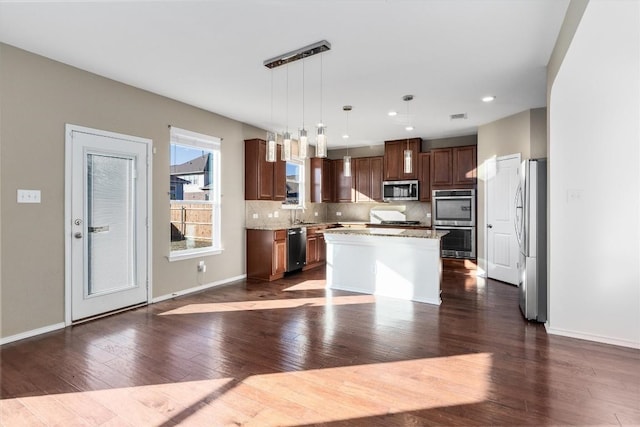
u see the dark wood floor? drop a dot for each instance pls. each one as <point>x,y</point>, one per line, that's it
<point>286,353</point>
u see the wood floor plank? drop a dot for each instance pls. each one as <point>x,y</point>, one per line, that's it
<point>290,353</point>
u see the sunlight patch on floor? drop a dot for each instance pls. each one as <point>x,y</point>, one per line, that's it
<point>308,285</point>
<point>222,307</point>
<point>284,399</point>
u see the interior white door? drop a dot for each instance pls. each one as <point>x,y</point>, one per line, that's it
<point>108,214</point>
<point>502,245</point>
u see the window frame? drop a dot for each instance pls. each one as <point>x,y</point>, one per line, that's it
<point>190,139</point>
<point>301,184</point>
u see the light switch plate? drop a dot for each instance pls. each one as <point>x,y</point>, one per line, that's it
<point>28,196</point>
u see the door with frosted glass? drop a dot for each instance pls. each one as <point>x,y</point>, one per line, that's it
<point>108,223</point>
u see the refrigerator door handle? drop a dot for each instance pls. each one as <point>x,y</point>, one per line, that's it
<point>518,217</point>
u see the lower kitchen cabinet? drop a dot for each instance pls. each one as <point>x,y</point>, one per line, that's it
<point>266,254</point>
<point>316,248</point>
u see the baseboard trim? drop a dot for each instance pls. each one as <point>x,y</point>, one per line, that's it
<point>592,337</point>
<point>32,333</point>
<point>198,288</point>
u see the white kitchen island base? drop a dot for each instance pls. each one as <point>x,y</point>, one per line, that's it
<point>394,263</point>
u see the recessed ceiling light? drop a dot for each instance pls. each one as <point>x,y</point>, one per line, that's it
<point>488,98</point>
<point>392,113</point>
<point>345,136</point>
<point>409,128</point>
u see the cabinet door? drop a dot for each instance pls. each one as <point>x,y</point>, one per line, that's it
<point>363,179</point>
<point>441,168</point>
<point>376,178</point>
<point>343,184</point>
<point>279,263</point>
<point>322,249</point>
<point>258,172</point>
<point>327,180</point>
<point>392,160</point>
<point>424,176</point>
<point>464,165</point>
<point>312,249</point>
<point>279,177</point>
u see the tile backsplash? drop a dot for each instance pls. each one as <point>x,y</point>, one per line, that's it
<point>260,213</point>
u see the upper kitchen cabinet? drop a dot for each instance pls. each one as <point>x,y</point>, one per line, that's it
<point>321,180</point>
<point>368,179</point>
<point>424,176</point>
<point>394,159</point>
<point>454,167</point>
<point>344,188</point>
<point>263,180</point>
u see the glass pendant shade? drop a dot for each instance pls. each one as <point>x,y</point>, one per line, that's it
<point>347,166</point>
<point>408,161</point>
<point>303,144</point>
<point>321,144</point>
<point>286,146</point>
<point>271,147</point>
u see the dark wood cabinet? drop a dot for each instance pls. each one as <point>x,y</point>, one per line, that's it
<point>454,167</point>
<point>368,179</point>
<point>394,158</point>
<point>266,254</point>
<point>321,180</point>
<point>464,165</point>
<point>343,185</point>
<point>263,180</point>
<point>424,176</point>
<point>316,248</point>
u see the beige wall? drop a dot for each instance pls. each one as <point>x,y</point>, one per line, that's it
<point>38,97</point>
<point>523,133</point>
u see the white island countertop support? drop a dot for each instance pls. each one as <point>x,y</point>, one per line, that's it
<point>394,263</point>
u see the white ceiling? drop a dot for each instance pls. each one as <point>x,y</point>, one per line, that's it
<point>447,53</point>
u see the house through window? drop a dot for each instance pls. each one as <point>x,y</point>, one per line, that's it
<point>295,183</point>
<point>194,192</point>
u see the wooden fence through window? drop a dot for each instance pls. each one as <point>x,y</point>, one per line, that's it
<point>193,220</point>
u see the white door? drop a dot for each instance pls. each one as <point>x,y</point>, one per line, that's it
<point>107,242</point>
<point>502,245</point>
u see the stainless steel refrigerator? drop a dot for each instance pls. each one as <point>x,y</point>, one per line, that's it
<point>531,232</point>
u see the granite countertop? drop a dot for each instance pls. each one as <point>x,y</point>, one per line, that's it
<point>345,224</point>
<point>390,232</point>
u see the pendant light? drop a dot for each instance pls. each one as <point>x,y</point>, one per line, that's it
<point>346,160</point>
<point>286,137</point>
<point>408,153</point>
<point>303,141</point>
<point>321,143</point>
<point>271,137</point>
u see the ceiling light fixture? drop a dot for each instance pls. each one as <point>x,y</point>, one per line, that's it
<point>271,137</point>
<point>286,136</point>
<point>303,141</point>
<point>294,55</point>
<point>408,153</point>
<point>488,98</point>
<point>347,158</point>
<point>321,142</point>
<point>392,113</point>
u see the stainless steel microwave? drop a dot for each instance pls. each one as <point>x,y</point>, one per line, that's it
<point>400,190</point>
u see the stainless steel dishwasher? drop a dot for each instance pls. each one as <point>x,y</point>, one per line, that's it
<point>296,248</point>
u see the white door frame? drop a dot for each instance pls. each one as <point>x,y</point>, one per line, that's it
<point>69,128</point>
<point>493,161</point>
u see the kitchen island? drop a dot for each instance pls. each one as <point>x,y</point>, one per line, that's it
<point>390,262</point>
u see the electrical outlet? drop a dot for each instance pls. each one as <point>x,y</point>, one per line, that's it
<point>276,214</point>
<point>202,267</point>
<point>255,216</point>
<point>338,213</point>
<point>270,215</point>
<point>574,196</point>
<point>315,214</point>
<point>28,196</point>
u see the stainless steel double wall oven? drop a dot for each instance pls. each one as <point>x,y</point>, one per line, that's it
<point>455,212</point>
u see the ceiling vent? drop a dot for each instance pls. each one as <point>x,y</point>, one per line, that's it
<point>458,116</point>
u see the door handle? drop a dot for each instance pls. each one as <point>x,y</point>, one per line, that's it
<point>78,235</point>
<point>489,226</point>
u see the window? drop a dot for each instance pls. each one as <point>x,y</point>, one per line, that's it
<point>295,184</point>
<point>194,184</point>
